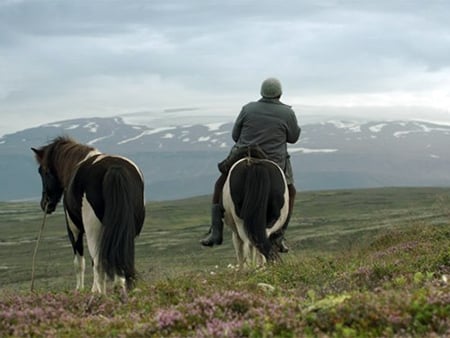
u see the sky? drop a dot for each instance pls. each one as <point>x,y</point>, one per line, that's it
<point>89,58</point>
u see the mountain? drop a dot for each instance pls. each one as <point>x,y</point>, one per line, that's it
<point>179,159</point>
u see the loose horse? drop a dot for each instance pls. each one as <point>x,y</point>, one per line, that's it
<point>103,198</point>
<point>255,200</point>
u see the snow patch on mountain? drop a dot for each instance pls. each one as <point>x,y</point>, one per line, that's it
<point>418,127</point>
<point>146,133</point>
<point>102,138</point>
<point>214,126</point>
<point>182,117</point>
<point>429,129</point>
<point>311,151</point>
<point>377,128</point>
<point>92,126</point>
<point>218,133</point>
<point>352,126</point>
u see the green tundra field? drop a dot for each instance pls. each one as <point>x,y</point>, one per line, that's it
<point>370,262</point>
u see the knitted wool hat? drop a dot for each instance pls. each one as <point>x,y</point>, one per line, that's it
<point>271,88</point>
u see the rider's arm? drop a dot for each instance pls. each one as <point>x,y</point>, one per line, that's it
<point>293,130</point>
<point>236,133</point>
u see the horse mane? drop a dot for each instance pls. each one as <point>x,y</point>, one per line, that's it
<point>62,155</point>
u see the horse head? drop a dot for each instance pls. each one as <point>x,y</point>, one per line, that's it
<point>52,189</point>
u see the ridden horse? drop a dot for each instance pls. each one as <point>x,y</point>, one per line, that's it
<point>255,199</point>
<point>104,198</point>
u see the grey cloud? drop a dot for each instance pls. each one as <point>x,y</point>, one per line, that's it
<point>219,48</point>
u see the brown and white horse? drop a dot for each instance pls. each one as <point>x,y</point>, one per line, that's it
<point>255,199</point>
<point>103,198</point>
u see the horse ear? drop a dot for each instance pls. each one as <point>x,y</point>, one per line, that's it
<point>39,153</point>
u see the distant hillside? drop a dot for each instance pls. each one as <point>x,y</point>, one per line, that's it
<point>180,160</point>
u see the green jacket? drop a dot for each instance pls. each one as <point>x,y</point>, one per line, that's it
<point>270,124</point>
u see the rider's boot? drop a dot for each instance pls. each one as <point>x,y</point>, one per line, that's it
<point>215,235</point>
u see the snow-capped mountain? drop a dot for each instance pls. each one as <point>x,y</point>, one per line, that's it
<point>179,158</point>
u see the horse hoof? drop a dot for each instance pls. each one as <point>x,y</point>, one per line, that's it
<point>283,248</point>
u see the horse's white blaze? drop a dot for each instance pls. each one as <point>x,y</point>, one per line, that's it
<point>93,228</point>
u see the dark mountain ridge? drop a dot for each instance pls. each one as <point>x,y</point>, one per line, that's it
<point>181,160</point>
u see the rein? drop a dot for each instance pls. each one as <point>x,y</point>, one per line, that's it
<point>249,156</point>
<point>36,248</point>
<point>254,158</point>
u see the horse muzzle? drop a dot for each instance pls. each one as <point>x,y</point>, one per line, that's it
<point>47,206</point>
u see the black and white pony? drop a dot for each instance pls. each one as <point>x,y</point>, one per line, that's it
<point>256,203</point>
<point>104,198</point>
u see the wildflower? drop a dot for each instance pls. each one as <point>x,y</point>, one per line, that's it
<point>168,318</point>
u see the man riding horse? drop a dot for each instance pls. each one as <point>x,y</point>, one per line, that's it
<point>269,124</point>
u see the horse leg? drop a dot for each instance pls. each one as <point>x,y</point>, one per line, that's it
<point>251,256</point>
<point>247,253</point>
<point>76,238</point>
<point>238,247</point>
<point>93,228</point>
<point>257,258</point>
<point>80,266</point>
<point>254,254</point>
<point>99,283</point>
<point>260,259</point>
<point>246,245</point>
<point>99,280</point>
<point>120,286</point>
<point>120,282</point>
<point>229,220</point>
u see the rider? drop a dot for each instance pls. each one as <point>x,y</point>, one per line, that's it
<point>269,124</point>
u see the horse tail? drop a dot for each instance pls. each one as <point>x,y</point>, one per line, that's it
<point>119,231</point>
<point>255,205</point>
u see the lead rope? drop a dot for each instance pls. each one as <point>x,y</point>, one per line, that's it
<point>36,248</point>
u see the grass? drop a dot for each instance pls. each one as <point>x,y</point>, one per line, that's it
<point>363,263</point>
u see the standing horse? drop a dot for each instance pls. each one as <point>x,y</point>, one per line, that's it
<point>104,198</point>
<point>255,199</point>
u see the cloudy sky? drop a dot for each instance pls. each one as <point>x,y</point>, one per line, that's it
<point>69,59</point>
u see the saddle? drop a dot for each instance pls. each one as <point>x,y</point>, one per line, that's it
<point>253,151</point>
